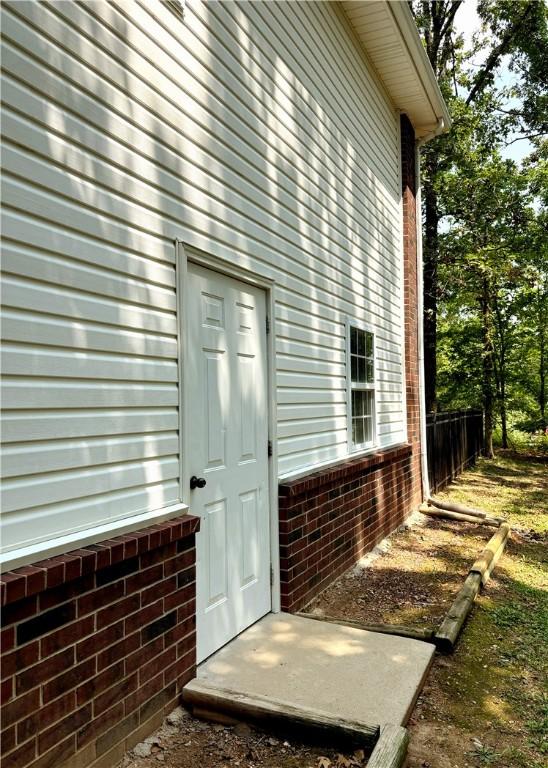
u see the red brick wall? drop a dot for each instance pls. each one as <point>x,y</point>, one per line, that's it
<point>96,646</point>
<point>411,317</point>
<point>331,518</point>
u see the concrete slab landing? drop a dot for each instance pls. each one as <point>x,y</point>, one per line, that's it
<point>343,672</point>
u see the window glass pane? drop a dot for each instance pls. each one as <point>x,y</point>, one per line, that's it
<point>357,430</point>
<point>361,342</point>
<point>362,402</point>
<point>353,341</point>
<point>362,374</point>
<point>368,429</point>
<point>369,344</point>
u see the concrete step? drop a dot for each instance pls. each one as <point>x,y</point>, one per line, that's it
<point>345,673</point>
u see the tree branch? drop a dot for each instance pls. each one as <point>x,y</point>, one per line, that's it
<point>497,53</point>
<point>522,138</point>
<point>450,17</point>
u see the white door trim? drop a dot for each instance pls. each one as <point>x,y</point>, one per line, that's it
<point>185,254</point>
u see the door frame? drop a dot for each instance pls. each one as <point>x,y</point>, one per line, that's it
<point>185,254</point>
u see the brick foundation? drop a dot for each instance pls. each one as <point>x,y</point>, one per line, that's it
<point>331,518</point>
<point>411,316</point>
<point>96,646</point>
<point>328,520</point>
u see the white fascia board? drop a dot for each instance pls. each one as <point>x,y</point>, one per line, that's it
<point>405,22</point>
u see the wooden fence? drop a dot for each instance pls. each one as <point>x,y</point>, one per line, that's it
<point>454,440</point>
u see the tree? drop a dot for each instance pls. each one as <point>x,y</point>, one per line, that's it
<point>494,286</point>
<point>515,29</point>
<point>436,22</point>
<point>486,253</point>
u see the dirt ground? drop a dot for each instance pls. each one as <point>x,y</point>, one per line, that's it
<point>411,582</point>
<point>184,742</point>
<point>485,705</point>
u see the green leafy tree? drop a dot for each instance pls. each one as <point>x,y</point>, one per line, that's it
<point>485,251</point>
<point>512,30</point>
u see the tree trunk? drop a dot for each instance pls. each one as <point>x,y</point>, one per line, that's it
<point>542,388</point>
<point>487,332</point>
<point>542,362</point>
<point>430,287</point>
<point>503,417</point>
<point>499,368</point>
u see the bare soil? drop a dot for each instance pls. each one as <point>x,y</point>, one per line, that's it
<point>412,581</point>
<point>191,743</point>
<point>486,704</point>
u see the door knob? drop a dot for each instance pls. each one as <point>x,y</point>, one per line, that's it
<point>197,482</point>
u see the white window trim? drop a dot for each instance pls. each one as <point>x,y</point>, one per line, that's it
<point>364,447</point>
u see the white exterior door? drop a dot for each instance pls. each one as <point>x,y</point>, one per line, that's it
<point>226,375</point>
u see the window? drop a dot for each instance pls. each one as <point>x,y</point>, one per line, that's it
<point>361,388</point>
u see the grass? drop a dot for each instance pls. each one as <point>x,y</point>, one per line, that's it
<point>512,486</point>
<point>524,442</point>
<point>493,691</point>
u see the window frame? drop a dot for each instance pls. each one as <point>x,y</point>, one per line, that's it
<point>368,387</point>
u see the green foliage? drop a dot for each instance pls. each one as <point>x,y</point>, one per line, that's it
<point>486,233</point>
<point>459,358</point>
<point>529,425</point>
<point>524,442</point>
<point>524,24</point>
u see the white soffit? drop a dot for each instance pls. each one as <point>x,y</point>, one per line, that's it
<point>391,40</point>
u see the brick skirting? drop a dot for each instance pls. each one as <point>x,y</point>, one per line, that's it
<point>329,519</point>
<point>96,647</point>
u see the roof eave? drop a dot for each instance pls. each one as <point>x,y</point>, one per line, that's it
<point>419,58</point>
<point>417,92</point>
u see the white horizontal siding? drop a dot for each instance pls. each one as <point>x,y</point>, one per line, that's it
<point>255,132</point>
<point>20,458</point>
<point>80,422</point>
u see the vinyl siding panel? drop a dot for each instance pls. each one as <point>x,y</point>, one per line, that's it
<point>255,132</point>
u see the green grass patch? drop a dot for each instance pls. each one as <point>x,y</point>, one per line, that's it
<point>497,681</point>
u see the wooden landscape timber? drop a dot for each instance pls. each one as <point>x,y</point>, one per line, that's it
<point>449,630</point>
<point>488,558</point>
<point>426,635</point>
<point>391,748</point>
<point>494,522</point>
<point>224,705</point>
<point>452,506</point>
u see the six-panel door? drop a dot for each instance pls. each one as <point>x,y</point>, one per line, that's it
<point>226,373</point>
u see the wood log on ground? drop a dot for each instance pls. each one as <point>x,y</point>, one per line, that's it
<point>486,576</point>
<point>488,558</point>
<point>209,700</point>
<point>391,748</point>
<point>494,522</point>
<point>452,506</point>
<point>448,631</point>
<point>388,629</point>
